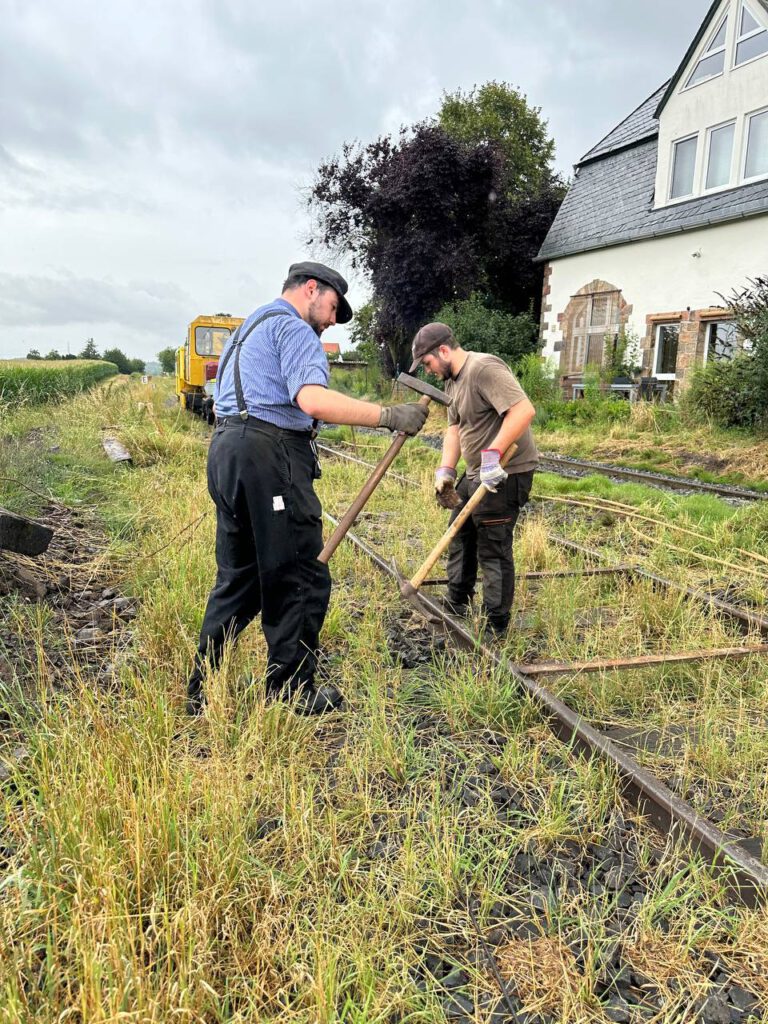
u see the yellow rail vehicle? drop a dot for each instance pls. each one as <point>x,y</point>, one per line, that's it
<point>197,361</point>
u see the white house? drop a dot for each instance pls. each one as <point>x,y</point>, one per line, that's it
<point>668,212</point>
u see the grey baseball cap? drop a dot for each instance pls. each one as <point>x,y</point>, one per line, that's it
<point>427,338</point>
<point>328,276</point>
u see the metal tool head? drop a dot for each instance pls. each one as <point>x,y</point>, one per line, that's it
<point>423,388</point>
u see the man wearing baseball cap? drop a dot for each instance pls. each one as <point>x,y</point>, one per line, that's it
<point>489,410</point>
<point>271,390</point>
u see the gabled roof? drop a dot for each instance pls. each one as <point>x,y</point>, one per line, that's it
<point>640,124</point>
<point>611,202</point>
<point>703,28</point>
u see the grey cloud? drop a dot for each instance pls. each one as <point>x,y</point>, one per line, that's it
<point>66,299</point>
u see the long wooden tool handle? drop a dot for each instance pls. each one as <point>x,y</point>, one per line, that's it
<point>456,525</point>
<point>368,488</point>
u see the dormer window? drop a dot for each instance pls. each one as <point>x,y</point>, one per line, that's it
<point>712,61</point>
<point>752,40</point>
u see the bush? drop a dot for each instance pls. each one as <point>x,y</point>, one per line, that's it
<point>583,412</point>
<point>731,393</point>
<point>480,328</point>
<point>537,379</point>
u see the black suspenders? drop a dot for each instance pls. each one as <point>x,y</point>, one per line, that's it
<point>235,347</point>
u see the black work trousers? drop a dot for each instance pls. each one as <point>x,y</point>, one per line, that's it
<point>268,536</point>
<point>486,538</point>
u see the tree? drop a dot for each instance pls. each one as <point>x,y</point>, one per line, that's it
<point>34,354</point>
<point>415,214</point>
<point>119,358</point>
<point>90,351</point>
<point>443,210</point>
<point>480,328</point>
<point>167,358</point>
<point>136,365</point>
<point>53,354</point>
<point>496,114</point>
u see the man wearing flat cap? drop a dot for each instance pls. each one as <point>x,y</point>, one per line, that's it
<point>488,411</point>
<point>271,390</point>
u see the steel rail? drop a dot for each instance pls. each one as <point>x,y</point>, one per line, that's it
<point>679,483</point>
<point>744,874</point>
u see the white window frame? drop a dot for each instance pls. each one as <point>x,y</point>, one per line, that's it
<point>657,350</point>
<point>708,152</point>
<point>692,193</point>
<point>745,146</point>
<point>708,332</point>
<point>749,35</point>
<point>705,53</point>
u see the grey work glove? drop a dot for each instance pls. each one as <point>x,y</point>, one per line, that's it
<point>445,487</point>
<point>491,471</point>
<point>407,418</point>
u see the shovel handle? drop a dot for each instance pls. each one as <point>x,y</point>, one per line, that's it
<point>469,507</point>
<point>367,490</point>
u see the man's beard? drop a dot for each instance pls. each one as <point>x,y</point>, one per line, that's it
<point>444,369</point>
<point>317,325</point>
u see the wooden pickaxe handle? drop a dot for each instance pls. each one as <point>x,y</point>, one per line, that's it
<point>471,504</point>
<point>369,487</point>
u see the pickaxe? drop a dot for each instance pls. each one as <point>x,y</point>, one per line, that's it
<point>410,588</point>
<point>428,394</point>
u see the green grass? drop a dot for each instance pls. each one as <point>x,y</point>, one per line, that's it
<point>226,870</point>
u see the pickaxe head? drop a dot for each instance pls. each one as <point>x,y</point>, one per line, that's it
<point>423,388</point>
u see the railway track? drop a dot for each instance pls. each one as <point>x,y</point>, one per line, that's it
<point>567,466</point>
<point>745,874</point>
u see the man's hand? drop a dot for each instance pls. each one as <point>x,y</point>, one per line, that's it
<point>407,418</point>
<point>491,473</point>
<point>445,487</point>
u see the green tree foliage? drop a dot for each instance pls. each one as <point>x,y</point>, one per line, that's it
<point>53,354</point>
<point>136,365</point>
<point>443,210</point>
<point>119,358</point>
<point>498,115</point>
<point>34,354</point>
<point>90,351</point>
<point>167,359</point>
<point>480,328</point>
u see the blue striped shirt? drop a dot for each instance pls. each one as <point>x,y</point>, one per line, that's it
<point>277,359</point>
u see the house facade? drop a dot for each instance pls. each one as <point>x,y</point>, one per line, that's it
<point>668,213</point>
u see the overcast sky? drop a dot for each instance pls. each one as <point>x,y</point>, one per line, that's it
<point>153,155</point>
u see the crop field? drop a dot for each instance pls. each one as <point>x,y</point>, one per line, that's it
<point>24,381</point>
<point>256,866</point>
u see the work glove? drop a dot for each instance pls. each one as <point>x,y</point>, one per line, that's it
<point>407,418</point>
<point>491,473</point>
<point>445,487</point>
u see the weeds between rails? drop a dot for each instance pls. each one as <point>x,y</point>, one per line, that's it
<point>614,616</point>
<point>255,866</point>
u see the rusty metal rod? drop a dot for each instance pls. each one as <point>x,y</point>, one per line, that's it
<point>745,875</point>
<point>561,668</point>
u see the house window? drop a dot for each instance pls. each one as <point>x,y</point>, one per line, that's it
<point>756,163</point>
<point>719,158</point>
<point>683,166</point>
<point>722,341</point>
<point>712,61</point>
<point>667,336</point>
<point>595,316</point>
<point>752,40</point>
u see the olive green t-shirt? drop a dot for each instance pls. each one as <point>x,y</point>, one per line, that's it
<point>483,392</point>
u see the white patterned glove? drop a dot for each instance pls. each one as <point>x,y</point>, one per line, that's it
<point>491,472</point>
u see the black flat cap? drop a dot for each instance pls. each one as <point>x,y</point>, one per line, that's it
<point>328,276</point>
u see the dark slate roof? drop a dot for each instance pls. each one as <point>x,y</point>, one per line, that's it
<point>672,84</point>
<point>641,124</point>
<point>611,201</point>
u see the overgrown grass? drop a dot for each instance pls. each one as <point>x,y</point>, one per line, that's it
<point>29,381</point>
<point>255,866</point>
